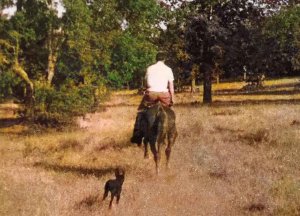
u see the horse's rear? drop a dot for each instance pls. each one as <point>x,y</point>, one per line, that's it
<point>159,128</point>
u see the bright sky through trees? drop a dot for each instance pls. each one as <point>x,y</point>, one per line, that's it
<point>56,4</point>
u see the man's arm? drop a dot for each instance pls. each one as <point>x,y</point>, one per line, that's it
<point>171,90</point>
<point>146,86</point>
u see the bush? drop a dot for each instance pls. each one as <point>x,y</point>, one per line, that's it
<point>54,107</point>
<point>10,85</point>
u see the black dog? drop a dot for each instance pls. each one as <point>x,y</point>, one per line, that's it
<point>114,186</point>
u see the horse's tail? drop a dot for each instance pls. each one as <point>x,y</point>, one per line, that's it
<point>160,113</point>
<point>156,120</point>
<point>162,121</point>
<point>160,110</point>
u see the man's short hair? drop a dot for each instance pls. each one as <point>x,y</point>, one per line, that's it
<point>160,56</point>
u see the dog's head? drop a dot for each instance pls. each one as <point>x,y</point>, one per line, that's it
<point>120,173</point>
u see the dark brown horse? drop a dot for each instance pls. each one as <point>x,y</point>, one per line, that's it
<point>158,126</point>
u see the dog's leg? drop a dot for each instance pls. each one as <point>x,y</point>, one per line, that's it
<point>105,195</point>
<point>111,200</point>
<point>118,197</point>
<point>105,192</point>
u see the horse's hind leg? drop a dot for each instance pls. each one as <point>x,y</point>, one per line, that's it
<point>168,154</point>
<point>146,151</point>
<point>160,142</point>
<point>171,140</point>
<point>155,154</point>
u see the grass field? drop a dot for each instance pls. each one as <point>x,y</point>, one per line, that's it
<point>238,156</point>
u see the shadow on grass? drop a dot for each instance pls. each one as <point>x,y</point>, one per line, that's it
<point>218,103</point>
<point>258,92</point>
<point>77,170</point>
<point>88,201</point>
<point>117,146</point>
<point>256,102</point>
<point>8,122</point>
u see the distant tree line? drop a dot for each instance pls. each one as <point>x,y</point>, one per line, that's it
<point>62,66</point>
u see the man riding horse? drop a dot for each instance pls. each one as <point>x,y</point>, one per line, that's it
<point>160,88</point>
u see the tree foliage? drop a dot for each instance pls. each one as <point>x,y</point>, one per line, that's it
<point>230,33</point>
<point>50,61</point>
<point>284,30</point>
<point>94,43</point>
<point>130,57</point>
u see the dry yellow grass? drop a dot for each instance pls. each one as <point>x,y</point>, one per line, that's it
<point>229,159</point>
<point>267,83</point>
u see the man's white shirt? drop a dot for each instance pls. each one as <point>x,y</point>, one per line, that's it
<point>158,76</point>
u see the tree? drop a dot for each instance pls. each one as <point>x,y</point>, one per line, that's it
<point>130,57</point>
<point>134,47</point>
<point>227,33</point>
<point>11,47</point>
<point>205,37</point>
<point>141,17</point>
<point>70,44</point>
<point>284,29</point>
<point>36,49</point>
<point>171,40</point>
<point>54,39</point>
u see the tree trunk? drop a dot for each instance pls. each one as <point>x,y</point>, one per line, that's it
<point>193,85</point>
<point>19,5</point>
<point>17,69</point>
<point>193,78</point>
<point>52,58</point>
<point>142,83</point>
<point>29,96</point>
<point>207,86</point>
<point>218,78</point>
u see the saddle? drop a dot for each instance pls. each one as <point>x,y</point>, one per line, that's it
<point>148,105</point>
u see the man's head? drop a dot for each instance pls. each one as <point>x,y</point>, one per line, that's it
<point>160,56</point>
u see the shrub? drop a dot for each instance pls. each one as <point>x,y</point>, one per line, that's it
<point>255,138</point>
<point>10,85</point>
<point>55,107</point>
